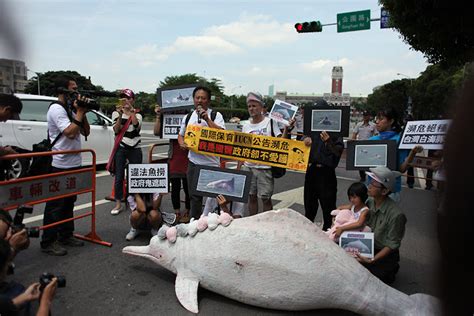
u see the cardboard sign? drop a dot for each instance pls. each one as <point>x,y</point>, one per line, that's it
<point>429,134</point>
<point>148,178</point>
<point>267,150</point>
<point>171,125</point>
<point>282,112</point>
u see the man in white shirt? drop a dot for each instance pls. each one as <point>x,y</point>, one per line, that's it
<point>67,118</point>
<point>262,180</point>
<point>200,116</point>
<point>362,131</point>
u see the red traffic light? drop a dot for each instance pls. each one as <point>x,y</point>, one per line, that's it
<point>309,27</point>
<point>299,27</point>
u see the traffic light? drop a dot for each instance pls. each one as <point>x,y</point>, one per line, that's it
<point>307,27</point>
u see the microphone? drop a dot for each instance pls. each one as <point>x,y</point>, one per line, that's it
<point>198,110</point>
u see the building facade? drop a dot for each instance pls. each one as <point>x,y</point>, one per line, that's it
<point>12,76</point>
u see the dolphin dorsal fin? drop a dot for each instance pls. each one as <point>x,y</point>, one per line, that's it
<point>186,288</point>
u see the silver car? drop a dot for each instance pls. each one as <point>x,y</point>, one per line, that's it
<point>32,128</point>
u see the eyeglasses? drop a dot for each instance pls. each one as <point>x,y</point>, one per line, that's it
<point>375,184</point>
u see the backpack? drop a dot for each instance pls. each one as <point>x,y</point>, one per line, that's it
<point>188,117</point>
<point>277,172</point>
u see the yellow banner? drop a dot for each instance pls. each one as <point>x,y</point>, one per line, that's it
<point>266,150</point>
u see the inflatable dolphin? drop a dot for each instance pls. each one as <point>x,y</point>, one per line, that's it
<point>279,260</point>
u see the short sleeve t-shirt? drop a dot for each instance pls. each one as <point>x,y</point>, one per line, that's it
<point>262,128</point>
<point>196,158</point>
<point>58,121</point>
<point>364,131</point>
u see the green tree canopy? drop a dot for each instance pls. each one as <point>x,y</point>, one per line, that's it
<point>442,30</point>
<point>48,78</point>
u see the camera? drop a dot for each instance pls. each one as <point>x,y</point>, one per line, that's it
<point>47,277</point>
<point>32,232</point>
<point>73,95</point>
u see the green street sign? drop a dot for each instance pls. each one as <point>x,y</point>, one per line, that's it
<point>353,21</point>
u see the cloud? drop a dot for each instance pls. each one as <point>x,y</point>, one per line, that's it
<point>317,64</point>
<point>254,31</point>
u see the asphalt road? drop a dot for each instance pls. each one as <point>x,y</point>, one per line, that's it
<point>103,281</point>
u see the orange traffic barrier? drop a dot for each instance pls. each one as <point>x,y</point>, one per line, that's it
<point>53,186</point>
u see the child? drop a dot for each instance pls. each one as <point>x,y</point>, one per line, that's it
<point>357,194</point>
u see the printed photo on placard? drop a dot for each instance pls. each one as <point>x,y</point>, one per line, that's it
<point>148,178</point>
<point>332,119</point>
<point>170,125</point>
<point>174,98</point>
<point>361,243</point>
<point>283,112</point>
<point>365,154</point>
<point>212,181</point>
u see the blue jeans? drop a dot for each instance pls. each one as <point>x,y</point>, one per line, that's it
<point>133,155</point>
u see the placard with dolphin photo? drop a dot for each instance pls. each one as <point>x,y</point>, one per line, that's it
<point>365,154</point>
<point>283,112</point>
<point>212,181</point>
<point>361,243</point>
<point>176,98</point>
<point>332,119</point>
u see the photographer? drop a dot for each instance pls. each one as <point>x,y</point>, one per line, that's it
<point>66,117</point>
<point>18,240</point>
<point>10,108</point>
<point>14,298</point>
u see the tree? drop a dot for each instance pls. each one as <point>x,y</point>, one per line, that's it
<point>392,95</point>
<point>442,30</point>
<point>48,79</point>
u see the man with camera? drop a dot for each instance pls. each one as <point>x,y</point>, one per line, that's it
<point>17,237</point>
<point>67,118</point>
<point>15,299</point>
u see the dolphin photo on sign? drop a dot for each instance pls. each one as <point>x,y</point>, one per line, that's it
<point>370,156</point>
<point>358,243</point>
<point>326,120</point>
<point>365,154</point>
<point>283,112</point>
<point>212,181</point>
<point>174,98</point>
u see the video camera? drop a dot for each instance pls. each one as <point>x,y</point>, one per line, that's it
<point>47,277</point>
<point>90,104</point>
<point>32,232</point>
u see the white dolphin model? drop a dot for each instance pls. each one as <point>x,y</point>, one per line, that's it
<point>279,260</point>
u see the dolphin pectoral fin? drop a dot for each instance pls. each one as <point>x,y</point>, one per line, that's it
<point>186,288</point>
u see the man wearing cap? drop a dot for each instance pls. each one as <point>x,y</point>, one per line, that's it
<point>66,122</point>
<point>10,108</point>
<point>202,116</point>
<point>262,180</point>
<point>387,222</point>
<point>363,131</point>
<point>320,182</point>
<point>129,149</point>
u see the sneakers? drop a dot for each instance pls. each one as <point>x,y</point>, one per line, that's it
<point>184,218</point>
<point>116,211</point>
<point>71,242</point>
<point>168,218</point>
<point>132,234</point>
<point>54,249</point>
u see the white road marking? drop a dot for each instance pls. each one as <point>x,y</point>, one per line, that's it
<point>77,208</point>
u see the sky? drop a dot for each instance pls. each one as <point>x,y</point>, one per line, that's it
<point>247,44</point>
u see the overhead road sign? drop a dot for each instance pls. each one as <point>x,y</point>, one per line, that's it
<point>353,21</point>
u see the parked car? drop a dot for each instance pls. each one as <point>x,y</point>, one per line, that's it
<point>32,128</point>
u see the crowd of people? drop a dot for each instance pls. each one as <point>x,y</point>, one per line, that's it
<point>374,199</point>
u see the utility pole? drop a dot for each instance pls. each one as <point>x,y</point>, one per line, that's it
<point>37,78</point>
<point>409,102</point>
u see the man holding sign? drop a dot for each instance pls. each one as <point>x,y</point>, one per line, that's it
<point>200,116</point>
<point>262,180</point>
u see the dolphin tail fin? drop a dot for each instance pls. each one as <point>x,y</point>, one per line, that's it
<point>186,288</point>
<point>424,304</point>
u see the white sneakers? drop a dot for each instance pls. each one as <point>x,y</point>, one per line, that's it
<point>132,234</point>
<point>116,211</point>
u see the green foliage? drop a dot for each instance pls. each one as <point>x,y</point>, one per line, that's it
<point>432,92</point>
<point>442,30</point>
<point>48,78</point>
